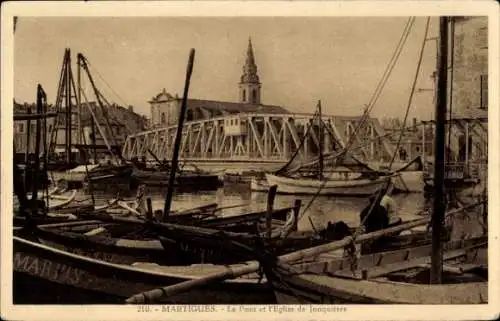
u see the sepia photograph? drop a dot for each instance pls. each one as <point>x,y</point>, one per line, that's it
<point>235,162</point>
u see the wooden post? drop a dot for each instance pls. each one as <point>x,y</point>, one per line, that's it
<point>296,211</point>
<point>175,158</point>
<point>439,163</point>
<point>36,172</point>
<point>423,144</point>
<point>149,213</point>
<point>28,136</point>
<point>27,154</point>
<point>270,204</point>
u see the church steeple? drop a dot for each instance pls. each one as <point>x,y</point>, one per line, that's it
<point>249,82</point>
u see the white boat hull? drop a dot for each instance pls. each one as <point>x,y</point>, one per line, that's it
<point>360,187</point>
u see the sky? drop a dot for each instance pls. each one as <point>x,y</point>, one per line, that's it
<point>338,60</point>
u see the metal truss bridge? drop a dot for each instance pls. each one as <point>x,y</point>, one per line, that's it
<point>263,138</point>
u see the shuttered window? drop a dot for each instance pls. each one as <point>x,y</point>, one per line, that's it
<point>484,91</point>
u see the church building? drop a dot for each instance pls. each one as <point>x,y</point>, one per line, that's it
<point>165,107</point>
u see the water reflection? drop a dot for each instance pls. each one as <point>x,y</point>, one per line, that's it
<point>317,213</point>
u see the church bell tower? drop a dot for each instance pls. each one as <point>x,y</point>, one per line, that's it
<point>249,82</point>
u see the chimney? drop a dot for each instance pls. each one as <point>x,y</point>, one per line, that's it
<point>131,108</point>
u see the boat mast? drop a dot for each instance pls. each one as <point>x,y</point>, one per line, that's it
<point>321,139</point>
<point>175,157</point>
<point>439,162</point>
<point>68,108</point>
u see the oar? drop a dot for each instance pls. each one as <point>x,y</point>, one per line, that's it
<point>253,266</point>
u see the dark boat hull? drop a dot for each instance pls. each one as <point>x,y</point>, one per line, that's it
<point>183,181</point>
<point>128,243</point>
<point>56,273</point>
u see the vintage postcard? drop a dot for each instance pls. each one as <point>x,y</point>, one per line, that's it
<point>233,160</point>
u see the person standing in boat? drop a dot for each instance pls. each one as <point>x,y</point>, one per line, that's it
<point>374,217</point>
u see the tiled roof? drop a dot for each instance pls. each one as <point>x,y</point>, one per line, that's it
<point>223,107</point>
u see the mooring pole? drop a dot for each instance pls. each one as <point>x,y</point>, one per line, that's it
<point>27,154</point>
<point>175,157</point>
<point>439,152</point>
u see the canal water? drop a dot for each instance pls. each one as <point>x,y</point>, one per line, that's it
<point>315,211</point>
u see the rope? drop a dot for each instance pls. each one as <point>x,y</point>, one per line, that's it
<point>129,130</point>
<point>410,98</point>
<point>383,81</point>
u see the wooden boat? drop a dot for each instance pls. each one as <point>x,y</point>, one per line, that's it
<point>359,186</point>
<point>379,278</point>
<point>44,275</point>
<point>62,215</point>
<point>184,180</point>
<point>131,239</point>
<point>347,176</point>
<point>99,173</point>
<point>125,244</point>
<point>56,199</point>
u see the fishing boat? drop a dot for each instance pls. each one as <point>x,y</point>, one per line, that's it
<point>98,174</point>
<point>348,176</point>
<point>126,240</point>
<point>103,168</point>
<point>44,275</point>
<point>186,179</point>
<point>359,186</point>
<point>397,277</point>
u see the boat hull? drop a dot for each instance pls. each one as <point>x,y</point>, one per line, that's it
<point>62,277</point>
<point>361,187</point>
<point>333,282</point>
<point>184,180</point>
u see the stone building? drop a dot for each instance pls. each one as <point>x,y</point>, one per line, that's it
<point>468,80</point>
<point>165,107</point>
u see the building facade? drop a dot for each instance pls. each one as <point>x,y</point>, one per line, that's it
<point>122,121</point>
<point>468,80</point>
<point>165,107</point>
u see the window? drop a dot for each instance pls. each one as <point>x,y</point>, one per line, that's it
<point>163,118</point>
<point>254,96</point>
<point>484,91</point>
<point>244,95</point>
<point>20,128</point>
